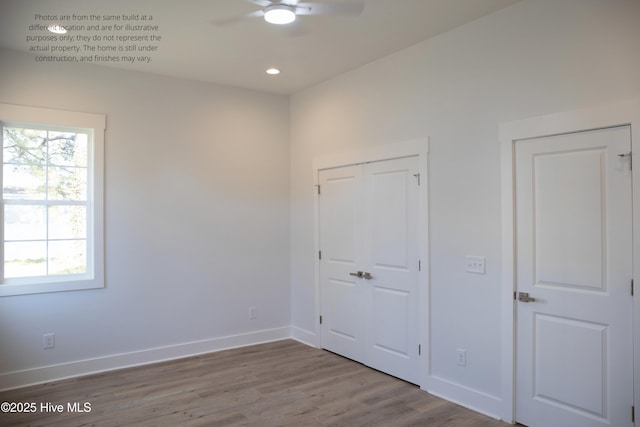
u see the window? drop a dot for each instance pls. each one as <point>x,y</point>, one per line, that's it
<point>52,200</point>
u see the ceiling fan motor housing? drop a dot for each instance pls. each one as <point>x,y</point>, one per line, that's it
<point>280,14</point>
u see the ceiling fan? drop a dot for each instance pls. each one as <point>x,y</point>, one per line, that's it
<point>285,11</point>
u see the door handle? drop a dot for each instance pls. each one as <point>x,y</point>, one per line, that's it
<point>524,297</point>
<point>358,274</point>
<point>367,275</point>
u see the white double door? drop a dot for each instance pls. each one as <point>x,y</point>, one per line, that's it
<point>574,258</point>
<point>368,229</point>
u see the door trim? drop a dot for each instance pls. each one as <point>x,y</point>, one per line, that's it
<point>419,148</point>
<point>615,114</point>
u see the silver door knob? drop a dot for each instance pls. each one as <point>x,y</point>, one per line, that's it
<point>367,275</point>
<point>524,297</point>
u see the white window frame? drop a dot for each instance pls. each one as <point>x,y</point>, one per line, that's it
<point>94,126</point>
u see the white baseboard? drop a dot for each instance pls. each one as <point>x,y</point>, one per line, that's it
<point>39,375</point>
<point>305,337</point>
<point>475,400</point>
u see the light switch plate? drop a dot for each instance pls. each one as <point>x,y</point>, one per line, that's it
<point>475,264</point>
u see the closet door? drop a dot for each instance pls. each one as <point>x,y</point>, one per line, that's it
<point>369,266</point>
<point>341,292</point>
<point>391,256</point>
<point>574,271</point>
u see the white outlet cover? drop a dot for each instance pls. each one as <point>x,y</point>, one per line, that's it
<point>48,341</point>
<point>461,357</point>
<point>475,264</point>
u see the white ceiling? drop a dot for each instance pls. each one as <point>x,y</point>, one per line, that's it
<point>309,51</point>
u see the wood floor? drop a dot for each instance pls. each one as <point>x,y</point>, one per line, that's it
<point>283,383</point>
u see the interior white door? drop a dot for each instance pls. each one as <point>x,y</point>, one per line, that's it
<point>369,265</point>
<point>391,259</point>
<point>340,227</point>
<point>574,257</point>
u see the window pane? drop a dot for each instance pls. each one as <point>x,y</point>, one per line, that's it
<point>25,222</point>
<point>67,149</point>
<point>67,222</point>
<point>68,183</point>
<point>68,257</point>
<point>24,182</point>
<point>24,146</point>
<point>23,259</point>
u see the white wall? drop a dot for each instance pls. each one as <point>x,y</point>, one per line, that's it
<point>536,57</point>
<point>197,222</point>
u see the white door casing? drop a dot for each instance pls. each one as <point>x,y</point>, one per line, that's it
<point>619,113</point>
<point>369,266</point>
<point>573,255</point>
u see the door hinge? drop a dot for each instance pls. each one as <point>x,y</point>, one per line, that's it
<point>629,155</point>
<point>319,254</point>
<point>419,349</point>
<point>633,414</point>
<point>417,175</point>
<point>631,287</point>
<point>419,265</point>
<point>321,320</point>
<point>317,187</point>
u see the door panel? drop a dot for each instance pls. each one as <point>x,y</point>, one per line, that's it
<point>343,297</point>
<point>568,215</point>
<point>559,348</point>
<point>387,204</point>
<point>574,342</point>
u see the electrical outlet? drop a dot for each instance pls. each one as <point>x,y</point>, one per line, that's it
<point>48,341</point>
<point>461,357</point>
<point>252,313</point>
<point>475,264</point>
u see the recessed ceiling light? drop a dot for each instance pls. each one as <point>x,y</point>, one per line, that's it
<point>273,71</point>
<point>56,28</point>
<point>280,14</point>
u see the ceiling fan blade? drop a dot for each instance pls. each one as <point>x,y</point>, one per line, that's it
<point>233,19</point>
<point>261,3</point>
<point>314,8</point>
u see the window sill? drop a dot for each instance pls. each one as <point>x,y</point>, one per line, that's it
<point>7,290</point>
